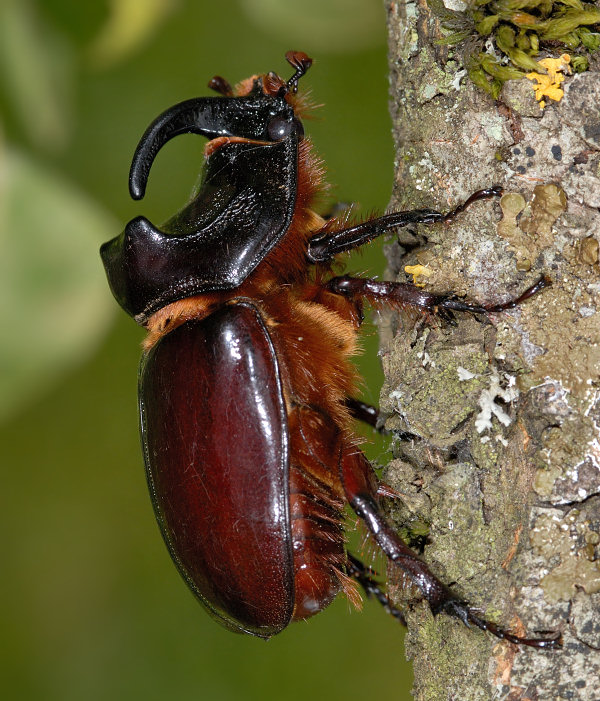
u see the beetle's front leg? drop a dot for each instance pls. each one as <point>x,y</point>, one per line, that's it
<point>403,294</point>
<point>360,487</point>
<point>327,244</point>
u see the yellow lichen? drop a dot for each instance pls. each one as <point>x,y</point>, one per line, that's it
<point>417,271</point>
<point>549,84</point>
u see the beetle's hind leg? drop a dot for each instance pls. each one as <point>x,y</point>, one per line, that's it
<point>360,487</point>
<point>369,414</point>
<point>357,570</point>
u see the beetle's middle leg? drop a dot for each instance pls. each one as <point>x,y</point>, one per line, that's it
<point>360,488</point>
<point>403,294</point>
<point>367,413</point>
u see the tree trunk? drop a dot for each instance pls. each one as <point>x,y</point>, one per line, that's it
<point>501,480</point>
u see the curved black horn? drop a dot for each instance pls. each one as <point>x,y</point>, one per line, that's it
<point>195,116</point>
<point>246,117</point>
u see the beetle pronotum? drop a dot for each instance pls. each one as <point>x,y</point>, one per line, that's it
<point>246,383</point>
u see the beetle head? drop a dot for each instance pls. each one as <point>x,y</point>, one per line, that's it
<point>242,209</point>
<point>261,111</point>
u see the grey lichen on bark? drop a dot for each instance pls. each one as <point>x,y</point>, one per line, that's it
<point>501,482</point>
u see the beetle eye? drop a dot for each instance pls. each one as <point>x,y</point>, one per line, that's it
<point>278,128</point>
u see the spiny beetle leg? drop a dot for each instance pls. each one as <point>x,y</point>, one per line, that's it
<point>399,294</point>
<point>326,244</point>
<point>358,480</point>
<point>403,294</point>
<point>485,194</point>
<point>360,487</point>
<point>461,610</point>
<point>450,303</point>
<point>371,415</point>
<point>337,210</point>
<point>543,282</point>
<point>366,413</point>
<point>356,569</point>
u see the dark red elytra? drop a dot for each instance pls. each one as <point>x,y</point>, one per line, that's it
<point>244,472</point>
<point>247,387</point>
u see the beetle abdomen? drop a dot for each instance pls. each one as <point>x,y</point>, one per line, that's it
<point>316,511</point>
<point>215,435</point>
<point>318,541</point>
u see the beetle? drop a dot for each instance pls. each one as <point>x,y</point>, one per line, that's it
<point>246,384</point>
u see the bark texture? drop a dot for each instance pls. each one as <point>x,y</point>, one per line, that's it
<point>502,480</point>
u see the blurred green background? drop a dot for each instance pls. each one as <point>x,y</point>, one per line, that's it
<point>92,607</point>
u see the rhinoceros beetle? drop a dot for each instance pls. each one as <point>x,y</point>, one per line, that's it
<point>246,386</point>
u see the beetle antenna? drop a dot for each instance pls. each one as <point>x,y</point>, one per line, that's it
<point>220,85</point>
<point>301,62</point>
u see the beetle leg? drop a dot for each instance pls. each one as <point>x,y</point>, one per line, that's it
<point>372,416</point>
<point>357,570</point>
<point>360,488</point>
<point>337,209</point>
<point>327,244</point>
<point>404,294</point>
<point>367,413</point>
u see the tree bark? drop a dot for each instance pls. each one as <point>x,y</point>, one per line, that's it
<point>501,482</point>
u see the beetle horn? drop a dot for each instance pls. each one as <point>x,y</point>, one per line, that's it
<point>195,116</point>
